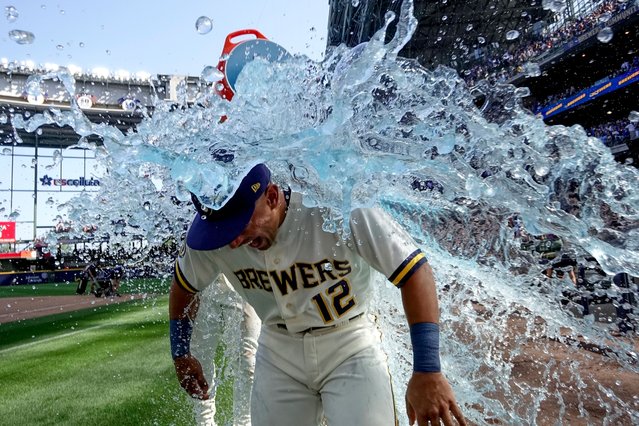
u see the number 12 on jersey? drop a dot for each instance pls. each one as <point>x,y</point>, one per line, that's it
<point>336,301</point>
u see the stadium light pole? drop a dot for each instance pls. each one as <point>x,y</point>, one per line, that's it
<point>35,188</point>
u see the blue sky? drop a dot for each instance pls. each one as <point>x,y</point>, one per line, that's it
<point>155,36</point>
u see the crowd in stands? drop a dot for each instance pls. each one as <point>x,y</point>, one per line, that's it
<point>615,132</point>
<point>501,66</point>
<point>572,90</point>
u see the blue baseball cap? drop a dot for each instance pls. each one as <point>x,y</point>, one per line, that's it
<point>212,229</point>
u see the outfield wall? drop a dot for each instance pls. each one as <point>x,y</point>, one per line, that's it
<point>39,277</point>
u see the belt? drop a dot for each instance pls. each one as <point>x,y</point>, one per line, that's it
<point>325,327</point>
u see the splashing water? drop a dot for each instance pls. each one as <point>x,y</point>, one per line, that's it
<point>21,36</point>
<point>369,128</point>
<point>11,13</point>
<point>211,74</point>
<point>605,35</point>
<point>512,35</point>
<point>532,69</point>
<point>203,25</point>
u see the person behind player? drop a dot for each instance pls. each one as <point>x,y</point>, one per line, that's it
<point>116,274</point>
<point>90,273</point>
<point>225,313</point>
<point>319,353</point>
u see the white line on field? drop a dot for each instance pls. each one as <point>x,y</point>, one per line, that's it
<point>48,339</point>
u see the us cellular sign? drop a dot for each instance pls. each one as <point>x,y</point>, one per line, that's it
<point>46,180</point>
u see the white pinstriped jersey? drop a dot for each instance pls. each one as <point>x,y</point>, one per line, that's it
<point>308,277</point>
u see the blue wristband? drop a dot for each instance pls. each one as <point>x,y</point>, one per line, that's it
<point>180,334</point>
<point>425,339</point>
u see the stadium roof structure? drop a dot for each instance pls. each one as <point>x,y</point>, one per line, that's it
<point>448,31</point>
<point>107,106</point>
<point>53,136</point>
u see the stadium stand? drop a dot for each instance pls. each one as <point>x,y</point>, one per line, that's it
<point>560,51</point>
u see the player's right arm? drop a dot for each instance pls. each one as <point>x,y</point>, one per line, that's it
<point>183,306</point>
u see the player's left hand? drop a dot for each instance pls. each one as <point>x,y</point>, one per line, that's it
<point>430,399</point>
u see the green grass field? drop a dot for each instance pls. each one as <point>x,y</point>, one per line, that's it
<point>108,365</point>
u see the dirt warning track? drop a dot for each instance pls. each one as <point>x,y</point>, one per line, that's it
<point>21,308</point>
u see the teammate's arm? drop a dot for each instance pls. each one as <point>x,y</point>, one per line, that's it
<point>182,311</point>
<point>429,396</point>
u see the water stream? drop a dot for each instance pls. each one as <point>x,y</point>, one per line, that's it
<point>365,127</point>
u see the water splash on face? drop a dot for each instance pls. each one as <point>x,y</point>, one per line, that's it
<point>453,164</point>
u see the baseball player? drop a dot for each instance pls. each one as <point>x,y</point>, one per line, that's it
<point>116,274</point>
<point>319,354</point>
<point>90,273</point>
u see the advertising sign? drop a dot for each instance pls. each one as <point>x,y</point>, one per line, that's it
<point>595,91</point>
<point>85,101</point>
<point>47,180</point>
<point>7,232</point>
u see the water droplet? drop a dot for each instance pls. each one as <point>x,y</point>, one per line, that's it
<point>556,6</point>
<point>108,52</point>
<point>633,116</point>
<point>6,151</point>
<point>59,47</point>
<point>61,11</point>
<point>39,132</point>
<point>50,201</point>
<point>481,40</point>
<point>355,3</point>
<point>21,37</point>
<point>327,266</point>
<point>211,74</point>
<point>444,17</point>
<point>81,44</point>
<point>532,69</point>
<point>542,170</point>
<point>522,92</point>
<point>605,17</point>
<point>203,25</point>
<point>11,13</point>
<point>605,35</point>
<point>512,35</point>
<point>469,27</point>
<point>3,118</point>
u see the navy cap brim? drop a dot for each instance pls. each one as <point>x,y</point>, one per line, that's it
<point>212,229</point>
<point>207,235</point>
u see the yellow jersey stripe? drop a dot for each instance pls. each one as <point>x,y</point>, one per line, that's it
<point>181,280</point>
<point>406,270</point>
